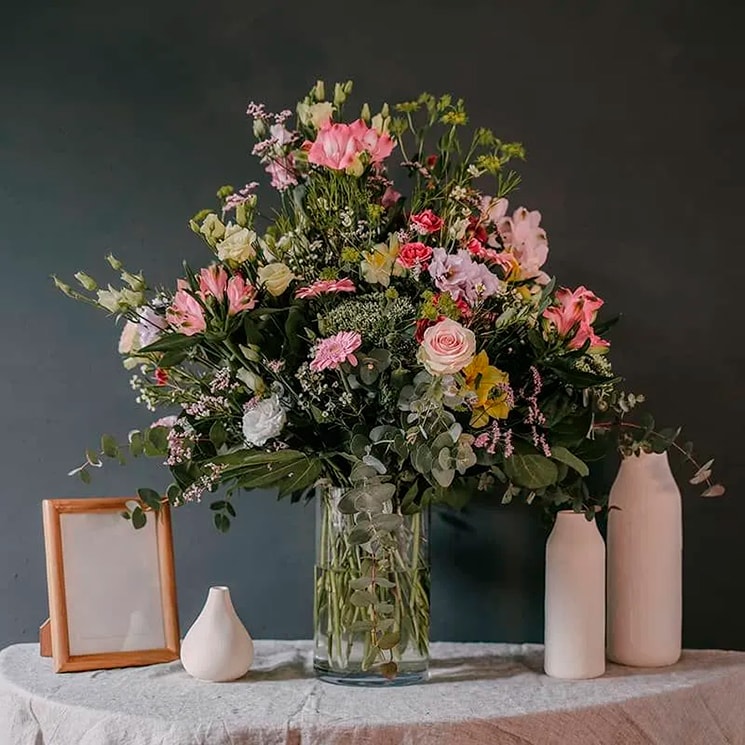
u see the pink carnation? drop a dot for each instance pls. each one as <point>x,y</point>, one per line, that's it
<point>426,222</point>
<point>326,286</point>
<point>331,352</point>
<point>414,254</point>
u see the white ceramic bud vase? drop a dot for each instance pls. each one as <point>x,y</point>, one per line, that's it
<point>645,544</point>
<point>217,647</point>
<point>575,599</point>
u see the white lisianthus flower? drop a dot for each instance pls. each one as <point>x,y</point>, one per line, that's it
<point>263,421</point>
<point>276,278</point>
<point>238,245</point>
<point>212,228</point>
<point>316,114</point>
<point>129,341</point>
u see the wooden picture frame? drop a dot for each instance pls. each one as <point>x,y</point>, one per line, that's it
<point>112,589</point>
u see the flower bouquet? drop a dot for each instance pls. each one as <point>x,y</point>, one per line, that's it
<point>383,352</point>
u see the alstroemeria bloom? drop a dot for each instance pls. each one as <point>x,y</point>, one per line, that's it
<point>212,281</point>
<point>426,222</point>
<point>339,348</point>
<point>185,314</point>
<point>576,312</point>
<point>523,236</point>
<point>379,145</point>
<point>326,286</point>
<point>335,147</point>
<point>241,295</point>
<point>482,379</point>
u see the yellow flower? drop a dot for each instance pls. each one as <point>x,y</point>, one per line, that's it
<point>378,264</point>
<point>481,378</point>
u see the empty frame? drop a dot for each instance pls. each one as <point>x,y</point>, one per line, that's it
<point>112,594</point>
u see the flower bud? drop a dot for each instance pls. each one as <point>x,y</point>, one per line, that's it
<point>114,263</point>
<point>86,281</point>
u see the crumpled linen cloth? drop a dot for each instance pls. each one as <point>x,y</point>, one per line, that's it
<point>490,694</point>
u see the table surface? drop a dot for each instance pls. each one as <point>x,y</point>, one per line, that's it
<point>477,693</point>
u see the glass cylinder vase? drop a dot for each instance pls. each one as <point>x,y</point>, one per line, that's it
<point>372,581</point>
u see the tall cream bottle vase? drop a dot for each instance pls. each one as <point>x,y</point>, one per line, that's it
<point>645,544</point>
<point>575,598</point>
<point>217,648</point>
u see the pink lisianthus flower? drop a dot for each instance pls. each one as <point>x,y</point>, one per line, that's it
<point>282,171</point>
<point>326,286</point>
<point>461,277</point>
<point>185,314</point>
<point>212,281</point>
<point>574,315</point>
<point>379,145</point>
<point>331,352</point>
<point>415,254</point>
<point>241,295</point>
<point>335,147</point>
<point>426,222</point>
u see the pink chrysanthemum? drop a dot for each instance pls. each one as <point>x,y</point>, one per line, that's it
<point>326,286</point>
<point>331,352</point>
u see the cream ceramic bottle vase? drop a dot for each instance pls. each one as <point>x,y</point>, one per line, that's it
<point>575,598</point>
<point>217,648</point>
<point>645,544</point>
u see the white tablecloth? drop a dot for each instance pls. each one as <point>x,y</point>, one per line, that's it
<point>495,694</point>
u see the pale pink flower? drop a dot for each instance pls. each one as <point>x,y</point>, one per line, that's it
<point>523,236</point>
<point>426,222</point>
<point>280,134</point>
<point>241,295</point>
<point>331,352</point>
<point>185,314</point>
<point>166,421</point>
<point>212,281</point>
<point>413,255</point>
<point>390,197</point>
<point>335,147</point>
<point>447,347</point>
<point>493,210</point>
<point>379,145</point>
<point>326,286</point>
<point>282,171</point>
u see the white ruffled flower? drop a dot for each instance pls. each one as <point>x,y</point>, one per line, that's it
<point>263,421</point>
<point>238,245</point>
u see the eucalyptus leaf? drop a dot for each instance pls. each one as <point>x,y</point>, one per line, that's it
<point>532,471</point>
<point>389,640</point>
<point>563,455</point>
<point>362,598</point>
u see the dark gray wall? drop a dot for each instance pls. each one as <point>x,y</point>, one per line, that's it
<point>119,121</point>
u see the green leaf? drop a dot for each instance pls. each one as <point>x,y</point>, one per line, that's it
<point>136,444</point>
<point>218,506</point>
<point>139,518</point>
<point>389,640</point>
<point>84,476</point>
<point>359,535</point>
<point>172,358</point>
<point>174,493</point>
<point>387,522</point>
<point>169,343</point>
<point>362,599</point>
<point>222,522</point>
<point>158,438</point>
<point>150,497</point>
<point>531,471</point>
<point>563,455</point>
<point>218,435</point>
<point>358,626</point>
<point>109,446</point>
<point>422,460</point>
<point>92,458</point>
<point>230,509</point>
<point>361,583</point>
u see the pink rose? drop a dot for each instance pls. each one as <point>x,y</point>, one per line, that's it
<point>447,347</point>
<point>414,254</point>
<point>335,147</point>
<point>426,222</point>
